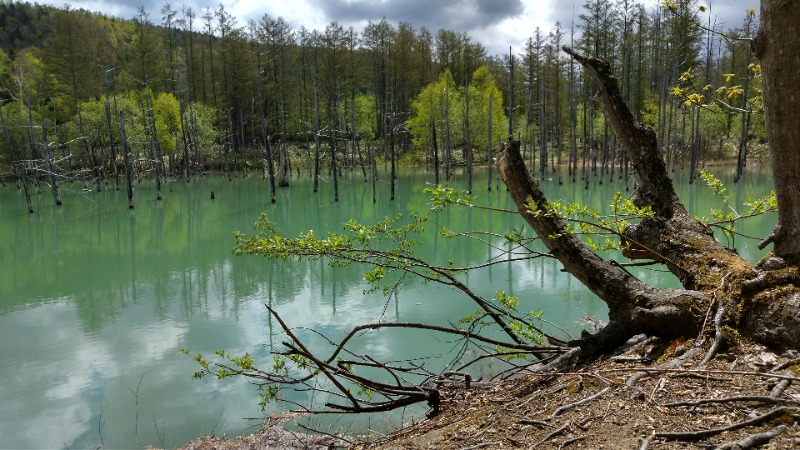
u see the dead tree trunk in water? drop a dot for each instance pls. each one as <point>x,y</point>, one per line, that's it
<point>283,180</point>
<point>127,152</point>
<point>270,166</point>
<point>51,168</point>
<point>159,157</point>
<point>23,173</point>
<point>490,144</point>
<point>334,168</point>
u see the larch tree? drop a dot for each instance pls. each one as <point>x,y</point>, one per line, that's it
<point>378,39</point>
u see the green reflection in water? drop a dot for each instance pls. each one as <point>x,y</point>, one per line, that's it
<point>96,299</point>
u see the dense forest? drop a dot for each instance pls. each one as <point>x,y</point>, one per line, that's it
<point>176,92</point>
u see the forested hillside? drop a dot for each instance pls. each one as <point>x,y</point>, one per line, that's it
<point>178,91</point>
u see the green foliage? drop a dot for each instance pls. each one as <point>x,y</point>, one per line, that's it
<point>365,110</point>
<point>591,224</point>
<point>442,196</point>
<point>168,121</point>
<point>16,117</point>
<point>481,87</point>
<point>523,325</point>
<point>225,365</point>
<point>202,121</point>
<point>726,220</point>
<point>387,245</point>
<point>443,104</point>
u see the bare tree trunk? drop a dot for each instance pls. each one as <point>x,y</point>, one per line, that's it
<point>373,169</point>
<point>270,167</point>
<point>334,168</point>
<point>126,151</point>
<point>468,144</point>
<point>23,171</point>
<point>776,46</point>
<point>448,153</point>
<point>51,168</point>
<point>542,126</point>
<point>393,174</point>
<point>112,145</point>
<point>185,138</point>
<point>159,157</point>
<point>490,144</point>
<point>316,138</point>
<point>285,171</point>
<point>435,153</point>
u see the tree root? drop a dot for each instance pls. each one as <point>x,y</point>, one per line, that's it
<point>781,387</point>
<point>567,426</point>
<point>590,398</point>
<point>719,338</point>
<point>571,441</point>
<point>671,364</point>
<point>754,440</point>
<point>702,434</point>
<point>481,445</point>
<point>741,398</point>
<point>533,422</point>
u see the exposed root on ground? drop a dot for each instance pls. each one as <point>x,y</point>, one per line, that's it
<point>740,398</point>
<point>743,397</point>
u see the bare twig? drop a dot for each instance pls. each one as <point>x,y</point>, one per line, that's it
<point>324,368</point>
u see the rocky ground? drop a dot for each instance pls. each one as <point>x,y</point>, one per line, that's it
<point>654,395</point>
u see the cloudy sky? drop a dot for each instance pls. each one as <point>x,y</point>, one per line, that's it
<point>497,24</point>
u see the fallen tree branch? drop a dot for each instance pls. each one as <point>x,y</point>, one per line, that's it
<point>754,440</point>
<point>702,434</point>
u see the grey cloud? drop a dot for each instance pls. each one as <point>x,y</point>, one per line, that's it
<point>460,15</point>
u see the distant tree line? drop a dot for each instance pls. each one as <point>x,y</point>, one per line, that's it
<point>177,91</point>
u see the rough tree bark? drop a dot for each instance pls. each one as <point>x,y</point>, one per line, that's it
<point>761,301</point>
<point>776,45</point>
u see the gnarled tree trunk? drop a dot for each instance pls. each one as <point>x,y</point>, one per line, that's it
<point>759,301</point>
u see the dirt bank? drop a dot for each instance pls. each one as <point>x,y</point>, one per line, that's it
<point>745,397</point>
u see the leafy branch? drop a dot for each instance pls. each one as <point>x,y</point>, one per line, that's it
<point>726,221</point>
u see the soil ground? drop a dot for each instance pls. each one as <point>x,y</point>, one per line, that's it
<point>745,397</point>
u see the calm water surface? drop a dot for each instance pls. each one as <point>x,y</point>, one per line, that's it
<point>96,299</point>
